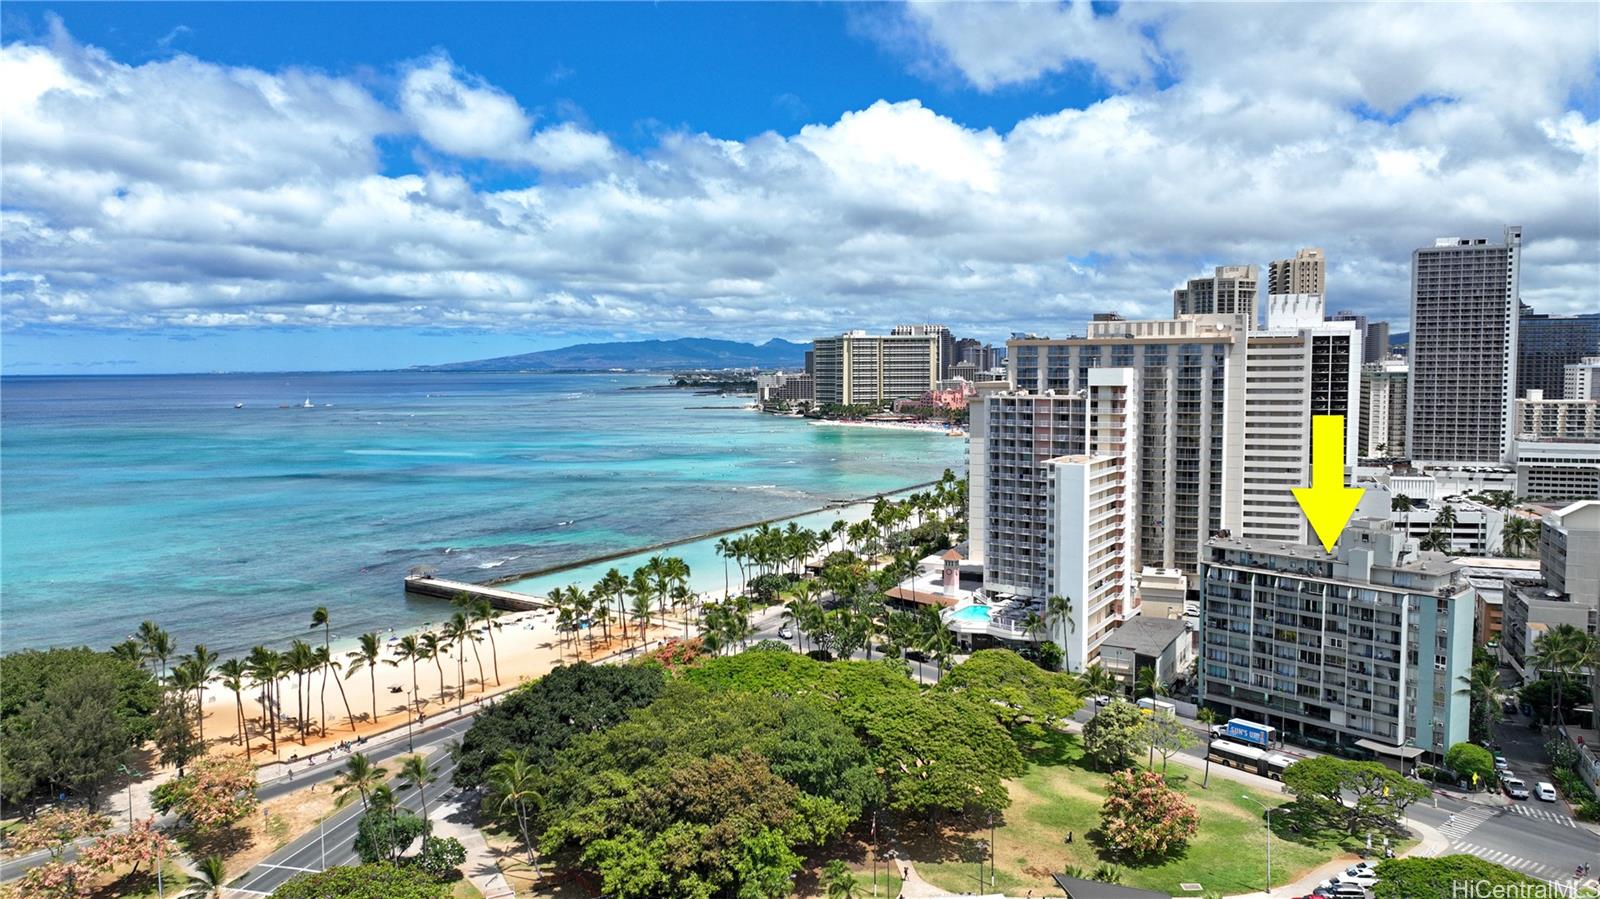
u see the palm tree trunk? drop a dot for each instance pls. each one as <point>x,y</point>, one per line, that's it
<point>322,699</point>
<point>349,715</point>
<point>372,679</point>
<point>479,658</point>
<point>494,653</point>
<point>440,665</point>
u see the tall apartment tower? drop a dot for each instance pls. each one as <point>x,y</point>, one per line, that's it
<point>1297,366</point>
<point>1231,290</point>
<point>1463,350</point>
<point>857,368</point>
<point>1547,344</point>
<point>1051,477</point>
<point>1382,432</point>
<point>1305,273</point>
<point>1190,402</point>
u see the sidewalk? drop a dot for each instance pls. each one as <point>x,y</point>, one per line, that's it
<point>482,868</point>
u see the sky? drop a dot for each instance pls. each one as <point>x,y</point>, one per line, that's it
<point>203,187</point>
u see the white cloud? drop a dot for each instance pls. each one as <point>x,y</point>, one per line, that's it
<point>999,43</point>
<point>190,194</point>
<point>466,117</point>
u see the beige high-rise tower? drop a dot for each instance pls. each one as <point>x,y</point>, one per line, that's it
<point>1305,273</point>
<point>1231,290</point>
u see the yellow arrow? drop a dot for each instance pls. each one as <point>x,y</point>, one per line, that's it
<point>1328,503</point>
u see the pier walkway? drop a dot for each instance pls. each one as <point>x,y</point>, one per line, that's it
<point>441,588</point>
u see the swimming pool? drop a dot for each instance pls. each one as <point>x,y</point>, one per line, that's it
<point>975,613</point>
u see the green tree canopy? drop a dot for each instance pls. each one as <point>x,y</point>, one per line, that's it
<point>1471,763</point>
<point>71,737</point>
<point>380,881</point>
<point>1438,878</point>
<point>1377,794</point>
<point>543,717</point>
<point>1116,737</point>
<point>1016,690</point>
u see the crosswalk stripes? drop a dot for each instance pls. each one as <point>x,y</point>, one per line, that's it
<point>1515,862</point>
<point>1533,811</point>
<point>1463,823</point>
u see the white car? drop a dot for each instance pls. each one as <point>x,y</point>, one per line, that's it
<point>1515,788</point>
<point>1364,878</point>
<point>1500,763</point>
<point>1544,791</point>
<point>786,632</point>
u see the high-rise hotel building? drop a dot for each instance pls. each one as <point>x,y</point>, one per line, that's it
<point>857,368</point>
<point>1307,272</point>
<point>1050,485</point>
<point>1463,346</point>
<point>1231,290</point>
<point>1368,644</point>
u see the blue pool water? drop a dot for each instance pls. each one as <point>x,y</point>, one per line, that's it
<point>972,613</point>
<point>127,498</point>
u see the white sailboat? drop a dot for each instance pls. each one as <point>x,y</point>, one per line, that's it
<point>307,404</point>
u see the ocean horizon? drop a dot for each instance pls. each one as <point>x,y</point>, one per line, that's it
<point>133,497</point>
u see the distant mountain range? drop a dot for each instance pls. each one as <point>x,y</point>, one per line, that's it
<point>652,355</point>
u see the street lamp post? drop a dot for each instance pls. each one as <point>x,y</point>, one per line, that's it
<point>129,773</point>
<point>991,848</point>
<point>1268,816</point>
<point>411,695</point>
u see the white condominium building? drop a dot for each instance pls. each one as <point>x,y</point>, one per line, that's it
<point>1296,367</point>
<point>1382,432</point>
<point>1573,421</point>
<point>1190,407</point>
<point>1463,346</point>
<point>1581,380</point>
<point>1365,645</point>
<point>1051,477</point>
<point>857,368</point>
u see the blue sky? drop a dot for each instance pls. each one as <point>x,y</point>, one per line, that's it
<point>227,186</point>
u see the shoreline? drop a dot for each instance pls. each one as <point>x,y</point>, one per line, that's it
<point>832,505</point>
<point>914,426</point>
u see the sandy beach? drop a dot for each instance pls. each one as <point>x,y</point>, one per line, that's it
<point>925,426</point>
<point>527,643</point>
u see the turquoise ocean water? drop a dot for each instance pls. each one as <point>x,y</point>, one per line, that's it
<point>126,498</point>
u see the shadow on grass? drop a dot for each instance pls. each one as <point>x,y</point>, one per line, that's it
<point>1051,748</point>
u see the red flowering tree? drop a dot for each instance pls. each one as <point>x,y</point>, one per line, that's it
<point>54,830</point>
<point>214,793</point>
<point>1143,816</point>
<point>141,845</point>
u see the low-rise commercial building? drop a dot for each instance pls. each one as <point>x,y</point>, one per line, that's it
<point>783,387</point>
<point>1568,590</point>
<point>1365,644</point>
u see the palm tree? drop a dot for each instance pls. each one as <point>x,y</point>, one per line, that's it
<point>513,787</point>
<point>1562,650</point>
<point>1435,540</point>
<point>302,660</point>
<point>724,549</point>
<point>1097,681</point>
<point>1058,610</point>
<point>1145,683</point>
<point>232,674</point>
<point>359,777</point>
<point>1403,504</point>
<point>456,631</point>
<point>129,651</point>
<point>409,649</point>
<point>201,662</point>
<point>469,617</point>
<point>484,613</point>
<point>1033,624</point>
<point>265,668</point>
<point>434,647</point>
<point>1518,536</point>
<point>841,881</point>
<point>320,618</point>
<point>414,771</point>
<point>155,643</point>
<point>1446,519</point>
<point>368,654</point>
<point>641,610</point>
<point>209,879</point>
<point>1207,717</point>
<point>1480,683</point>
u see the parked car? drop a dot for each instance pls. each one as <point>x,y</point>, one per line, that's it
<point>1500,762</point>
<point>786,632</point>
<point>1544,791</point>
<point>1357,876</point>
<point>1509,706</point>
<point>1515,788</point>
<point>1506,774</point>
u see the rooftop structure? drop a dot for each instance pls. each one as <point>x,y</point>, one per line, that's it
<point>1306,273</point>
<point>1231,290</point>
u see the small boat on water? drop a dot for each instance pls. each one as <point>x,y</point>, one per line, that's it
<point>238,405</point>
<point>307,404</point>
